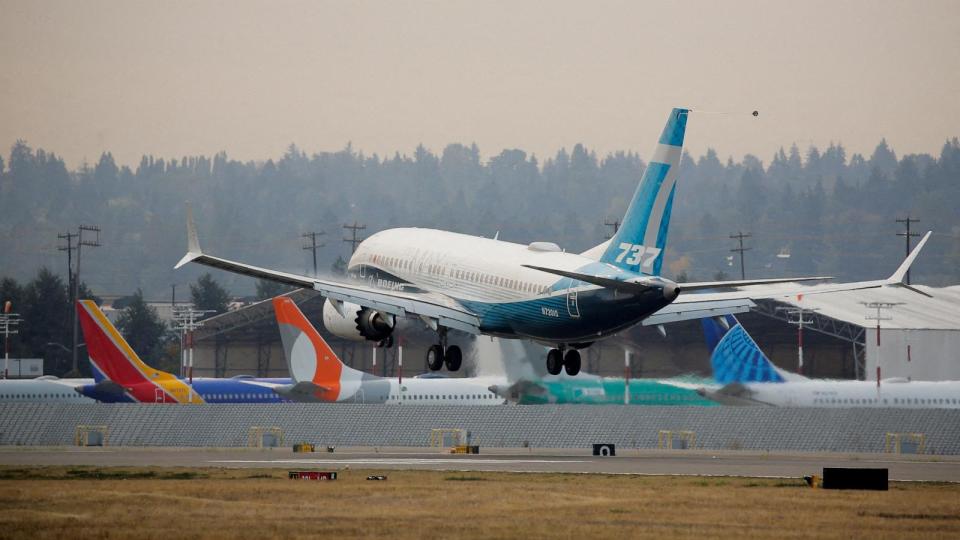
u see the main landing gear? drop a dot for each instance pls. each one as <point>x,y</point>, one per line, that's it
<point>569,361</point>
<point>437,356</point>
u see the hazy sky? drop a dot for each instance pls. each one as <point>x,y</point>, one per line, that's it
<point>186,78</point>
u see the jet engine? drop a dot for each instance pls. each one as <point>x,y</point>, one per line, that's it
<point>358,323</point>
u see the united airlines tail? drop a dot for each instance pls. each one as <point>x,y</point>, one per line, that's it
<point>314,367</point>
<point>735,357</point>
<point>639,242</point>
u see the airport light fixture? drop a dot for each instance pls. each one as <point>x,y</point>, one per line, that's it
<point>795,316</point>
<point>8,322</point>
<point>879,307</point>
<point>187,319</point>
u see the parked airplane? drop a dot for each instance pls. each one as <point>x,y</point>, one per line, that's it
<point>319,376</point>
<point>530,384</point>
<point>124,377</point>
<point>44,389</point>
<point>536,291</point>
<point>750,378</point>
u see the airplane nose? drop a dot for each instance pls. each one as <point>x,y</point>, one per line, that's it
<point>671,291</point>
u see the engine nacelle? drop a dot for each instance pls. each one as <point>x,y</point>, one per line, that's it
<point>357,323</point>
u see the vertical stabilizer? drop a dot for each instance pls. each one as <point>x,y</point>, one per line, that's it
<point>641,239</point>
<point>109,353</point>
<point>309,358</point>
<point>736,358</point>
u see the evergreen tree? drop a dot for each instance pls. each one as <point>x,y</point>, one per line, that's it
<point>267,289</point>
<point>142,328</point>
<point>207,294</point>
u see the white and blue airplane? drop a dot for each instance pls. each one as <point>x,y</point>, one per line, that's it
<point>536,291</point>
<point>747,377</point>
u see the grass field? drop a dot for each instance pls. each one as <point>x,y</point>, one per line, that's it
<point>85,502</point>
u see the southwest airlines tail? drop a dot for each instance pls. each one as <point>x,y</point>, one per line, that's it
<point>109,353</point>
<point>126,375</point>
<point>314,367</point>
<point>735,357</point>
<point>639,242</point>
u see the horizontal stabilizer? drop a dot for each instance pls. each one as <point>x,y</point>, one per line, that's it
<point>106,387</point>
<point>624,286</point>
<point>730,394</point>
<point>301,389</point>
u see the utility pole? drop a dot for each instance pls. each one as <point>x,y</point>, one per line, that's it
<point>8,322</point>
<point>354,239</point>
<point>615,225</point>
<point>76,284</point>
<point>879,306</point>
<point>68,236</point>
<point>799,321</point>
<point>313,246</point>
<point>739,237</point>
<point>906,236</point>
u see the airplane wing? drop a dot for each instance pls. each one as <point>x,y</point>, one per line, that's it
<point>692,306</point>
<point>434,308</point>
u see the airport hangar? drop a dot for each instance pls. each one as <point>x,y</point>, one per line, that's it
<point>921,340</point>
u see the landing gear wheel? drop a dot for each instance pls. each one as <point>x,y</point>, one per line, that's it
<point>435,357</point>
<point>571,362</point>
<point>554,361</point>
<point>453,358</point>
<point>386,343</point>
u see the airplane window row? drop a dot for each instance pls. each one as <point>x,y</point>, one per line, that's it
<point>476,277</point>
<point>44,395</point>
<point>236,396</point>
<point>421,397</point>
<point>896,401</point>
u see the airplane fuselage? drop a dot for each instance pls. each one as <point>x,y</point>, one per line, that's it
<point>846,394</point>
<point>487,277</point>
<point>43,390</point>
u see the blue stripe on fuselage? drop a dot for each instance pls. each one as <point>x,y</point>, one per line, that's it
<point>602,312</point>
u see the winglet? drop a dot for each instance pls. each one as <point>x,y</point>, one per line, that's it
<point>193,242</point>
<point>897,279</point>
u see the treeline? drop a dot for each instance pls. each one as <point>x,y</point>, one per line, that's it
<point>810,212</point>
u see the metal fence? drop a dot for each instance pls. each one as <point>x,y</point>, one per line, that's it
<point>547,426</point>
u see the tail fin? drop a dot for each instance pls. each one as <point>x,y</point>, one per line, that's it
<point>736,358</point>
<point>109,353</point>
<point>639,242</point>
<point>714,329</point>
<point>309,358</point>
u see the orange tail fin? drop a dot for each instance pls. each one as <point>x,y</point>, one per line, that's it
<point>309,357</point>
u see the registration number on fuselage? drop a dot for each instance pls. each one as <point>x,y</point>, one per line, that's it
<point>550,312</point>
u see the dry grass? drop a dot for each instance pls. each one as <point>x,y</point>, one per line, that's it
<point>85,502</point>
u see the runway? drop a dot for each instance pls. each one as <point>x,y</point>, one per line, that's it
<point>639,462</point>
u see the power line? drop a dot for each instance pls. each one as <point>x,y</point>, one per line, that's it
<point>906,236</point>
<point>354,240</point>
<point>313,246</point>
<point>739,237</point>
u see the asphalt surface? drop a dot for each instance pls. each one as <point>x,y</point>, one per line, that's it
<point>645,462</point>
